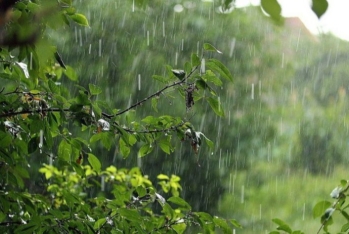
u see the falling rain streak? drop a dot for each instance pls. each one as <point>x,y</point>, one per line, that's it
<point>100,47</point>
<point>139,82</point>
<point>242,200</point>
<point>232,46</point>
<point>252,91</point>
<point>148,38</point>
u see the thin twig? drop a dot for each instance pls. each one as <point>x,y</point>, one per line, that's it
<point>153,95</point>
<point>3,115</point>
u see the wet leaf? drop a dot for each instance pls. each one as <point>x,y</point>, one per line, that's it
<point>209,47</point>
<point>154,104</point>
<point>222,223</point>
<point>180,202</point>
<point>94,89</point>
<point>180,74</point>
<point>99,223</point>
<point>195,60</point>
<point>273,8</point>
<point>320,208</point>
<point>220,68</point>
<point>64,150</point>
<point>124,149</point>
<point>216,106</point>
<point>235,223</point>
<point>144,150</point>
<point>80,19</point>
<point>165,145</point>
<point>160,78</point>
<point>163,177</point>
<point>70,73</point>
<point>94,162</point>
<point>319,7</point>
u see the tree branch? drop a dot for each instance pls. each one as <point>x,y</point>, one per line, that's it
<point>153,95</point>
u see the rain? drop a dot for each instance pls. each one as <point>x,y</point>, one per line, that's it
<point>279,130</point>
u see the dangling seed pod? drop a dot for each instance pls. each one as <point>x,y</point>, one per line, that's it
<point>189,98</point>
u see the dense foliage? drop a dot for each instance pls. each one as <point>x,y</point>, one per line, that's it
<point>42,117</point>
<point>111,119</point>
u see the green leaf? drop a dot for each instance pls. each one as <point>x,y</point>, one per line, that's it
<point>345,214</point>
<point>345,227</point>
<point>64,150</point>
<point>180,202</point>
<point>319,7</point>
<point>124,149</point>
<point>168,211</point>
<point>160,78</point>
<point>27,228</point>
<point>195,60</point>
<point>94,89</point>
<point>217,66</point>
<point>235,223</point>
<point>107,139</point>
<point>209,76</point>
<point>53,87</point>
<point>70,73</point>
<point>278,222</point>
<point>94,162</point>
<point>163,177</point>
<point>154,104</point>
<point>320,208</point>
<point>222,223</point>
<point>131,215</point>
<point>145,149</point>
<point>179,228</point>
<point>216,106</point>
<point>99,223</point>
<point>180,74</point>
<point>165,145</point>
<point>209,47</point>
<point>273,8</point>
<point>79,19</point>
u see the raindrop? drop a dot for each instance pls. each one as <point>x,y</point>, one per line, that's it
<point>41,143</point>
<point>282,60</point>
<point>203,66</point>
<point>51,159</point>
<point>252,92</point>
<point>31,61</point>
<point>260,211</point>
<point>229,117</point>
<point>299,35</point>
<point>76,34</point>
<point>259,87</point>
<point>232,46</point>
<point>303,211</point>
<point>269,155</point>
<point>178,8</point>
<point>139,82</point>
<point>176,58</point>
<point>229,191</point>
<point>102,183</point>
<point>100,47</point>
<point>276,186</point>
<point>163,28</point>
<point>242,194</point>
<point>197,47</point>
<point>182,47</point>
<point>89,49</point>
<point>133,6</point>
<point>148,38</point>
